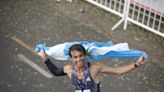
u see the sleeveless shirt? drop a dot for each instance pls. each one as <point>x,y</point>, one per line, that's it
<point>86,84</point>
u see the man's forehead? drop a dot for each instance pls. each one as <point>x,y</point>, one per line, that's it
<point>75,52</point>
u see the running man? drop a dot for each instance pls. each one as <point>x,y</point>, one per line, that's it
<point>84,74</point>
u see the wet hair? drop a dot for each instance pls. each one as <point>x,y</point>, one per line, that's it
<point>77,47</point>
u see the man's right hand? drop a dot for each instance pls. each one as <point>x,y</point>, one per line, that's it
<point>42,54</point>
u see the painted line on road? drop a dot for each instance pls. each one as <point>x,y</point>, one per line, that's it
<point>35,66</point>
<point>24,45</point>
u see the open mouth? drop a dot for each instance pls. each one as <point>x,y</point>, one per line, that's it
<point>80,62</point>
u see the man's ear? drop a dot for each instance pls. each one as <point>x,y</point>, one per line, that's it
<point>70,58</point>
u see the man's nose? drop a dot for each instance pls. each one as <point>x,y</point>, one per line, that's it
<point>79,58</point>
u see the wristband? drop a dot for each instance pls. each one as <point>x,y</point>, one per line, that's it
<point>135,65</point>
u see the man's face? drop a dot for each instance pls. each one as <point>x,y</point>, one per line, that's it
<point>77,58</point>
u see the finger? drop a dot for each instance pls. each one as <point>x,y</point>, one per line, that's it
<point>140,59</point>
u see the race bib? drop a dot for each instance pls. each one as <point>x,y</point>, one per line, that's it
<point>87,90</point>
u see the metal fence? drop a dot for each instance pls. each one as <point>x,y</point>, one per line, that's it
<point>136,12</point>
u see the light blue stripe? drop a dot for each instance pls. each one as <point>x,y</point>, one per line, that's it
<point>120,54</point>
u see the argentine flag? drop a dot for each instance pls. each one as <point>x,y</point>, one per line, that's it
<point>95,50</point>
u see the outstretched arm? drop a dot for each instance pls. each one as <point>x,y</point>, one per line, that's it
<point>52,67</point>
<point>122,69</point>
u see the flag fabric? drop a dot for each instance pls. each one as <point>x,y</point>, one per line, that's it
<point>95,50</point>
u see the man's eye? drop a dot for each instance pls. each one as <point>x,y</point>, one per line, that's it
<point>81,55</point>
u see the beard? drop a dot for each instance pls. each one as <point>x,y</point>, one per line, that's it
<point>80,64</point>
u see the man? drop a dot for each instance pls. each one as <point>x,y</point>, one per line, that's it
<point>84,74</point>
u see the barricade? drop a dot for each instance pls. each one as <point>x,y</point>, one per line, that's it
<point>147,14</point>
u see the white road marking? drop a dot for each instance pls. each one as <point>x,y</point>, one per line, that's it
<point>35,66</point>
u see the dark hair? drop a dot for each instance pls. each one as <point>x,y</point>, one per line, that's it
<point>77,47</point>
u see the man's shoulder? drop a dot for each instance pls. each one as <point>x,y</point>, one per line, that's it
<point>95,68</point>
<point>68,69</point>
<point>68,66</point>
<point>95,65</point>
